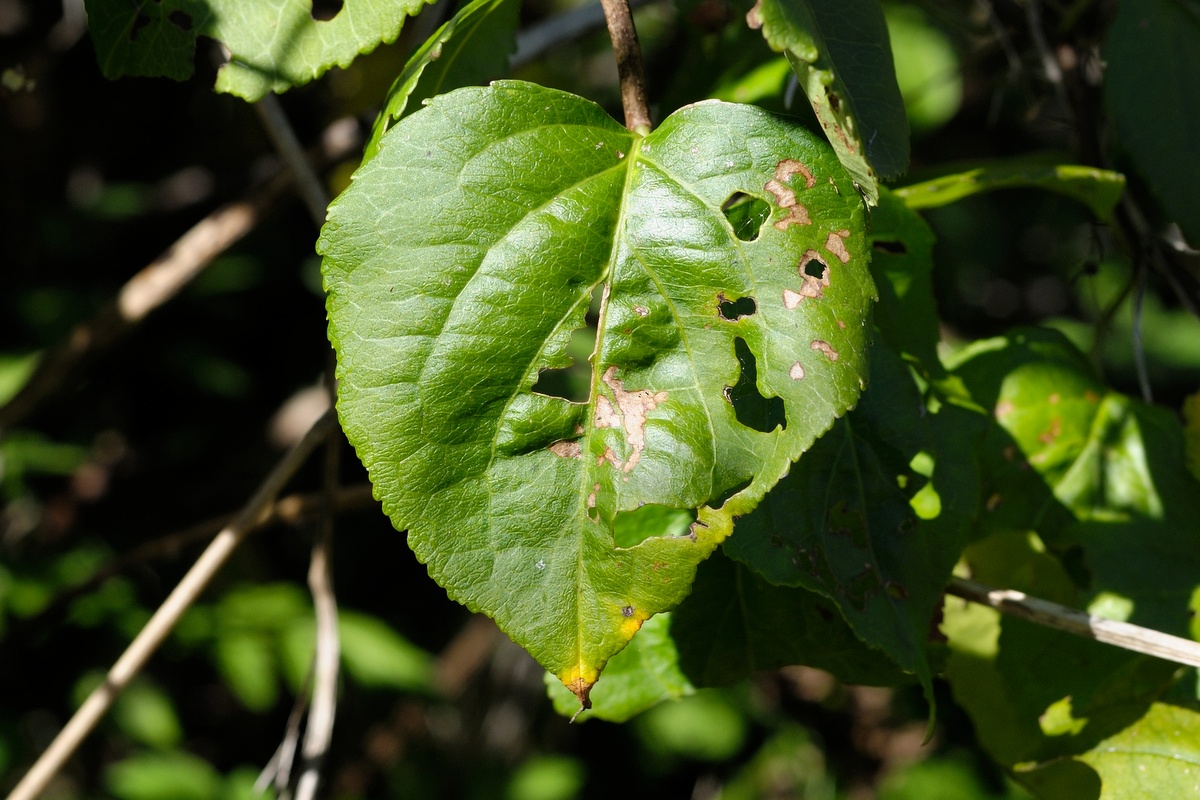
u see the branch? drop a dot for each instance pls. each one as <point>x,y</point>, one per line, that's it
<point>283,136</point>
<point>1053,615</point>
<point>629,65</point>
<point>167,615</point>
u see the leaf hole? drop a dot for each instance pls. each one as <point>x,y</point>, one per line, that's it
<point>139,22</point>
<point>574,382</point>
<point>751,407</point>
<point>325,10</point>
<point>631,528</point>
<point>734,310</point>
<point>746,215</point>
<point>815,268</point>
<point>180,20</point>
<point>896,248</point>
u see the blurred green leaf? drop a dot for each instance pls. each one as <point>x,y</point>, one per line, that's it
<point>841,53</point>
<point>902,266</point>
<point>704,726</point>
<point>273,44</point>
<point>247,663</point>
<point>1098,189</point>
<point>547,778</point>
<point>146,714</point>
<point>788,765</point>
<point>926,67</point>
<point>163,776</point>
<point>14,371</point>
<point>375,655</point>
<point>1152,66</point>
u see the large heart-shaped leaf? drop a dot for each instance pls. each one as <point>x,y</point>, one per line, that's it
<point>459,264</point>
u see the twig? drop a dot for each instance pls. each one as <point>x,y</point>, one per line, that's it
<point>629,65</point>
<point>1070,620</point>
<point>319,732</point>
<point>283,136</point>
<point>1050,66</point>
<point>167,615</point>
<point>558,30</point>
<point>279,768</point>
<point>146,291</point>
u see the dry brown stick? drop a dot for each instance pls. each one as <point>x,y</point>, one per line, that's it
<point>629,65</point>
<point>318,734</point>
<point>147,290</point>
<point>165,618</point>
<point>283,136</point>
<point>1070,620</point>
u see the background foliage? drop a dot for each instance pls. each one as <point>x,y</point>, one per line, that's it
<point>1021,444</point>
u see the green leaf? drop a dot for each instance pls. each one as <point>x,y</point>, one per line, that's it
<point>471,48</point>
<point>1159,756</point>
<point>840,51</point>
<point>167,776</point>
<point>734,623</point>
<point>375,655</point>
<point>1099,189</point>
<point>273,44</point>
<point>458,265</point>
<point>902,266</point>
<point>873,516</point>
<point>1152,66</point>
<point>638,678</point>
<point>1116,538</point>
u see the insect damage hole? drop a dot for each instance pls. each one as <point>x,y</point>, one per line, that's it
<point>574,382</point>
<point>325,10</point>
<point>746,215</point>
<point>734,310</point>
<point>631,528</point>
<point>750,406</point>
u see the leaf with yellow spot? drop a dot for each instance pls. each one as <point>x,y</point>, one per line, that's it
<point>465,256</point>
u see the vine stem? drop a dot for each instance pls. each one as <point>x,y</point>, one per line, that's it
<point>1052,615</point>
<point>629,65</point>
<point>168,614</point>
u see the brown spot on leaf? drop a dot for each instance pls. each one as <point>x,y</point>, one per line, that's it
<point>824,347</point>
<point>1053,399</point>
<point>591,498</point>
<point>789,167</point>
<point>791,299</point>
<point>1003,409</point>
<point>797,215</point>
<point>797,371</point>
<point>836,244</point>
<point>630,414</point>
<point>641,311</point>
<point>567,449</point>
<point>627,611</point>
<point>581,689</point>
<point>1055,430</point>
<point>784,196</point>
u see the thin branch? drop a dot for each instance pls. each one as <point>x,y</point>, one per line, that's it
<point>1070,620</point>
<point>319,732</point>
<point>153,286</point>
<point>283,136</point>
<point>167,615</point>
<point>629,65</point>
<point>279,768</point>
<point>558,30</point>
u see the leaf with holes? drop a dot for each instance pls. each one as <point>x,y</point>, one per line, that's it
<point>273,45</point>
<point>459,264</point>
<point>840,51</point>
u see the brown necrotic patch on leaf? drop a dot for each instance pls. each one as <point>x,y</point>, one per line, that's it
<point>836,244</point>
<point>567,449</point>
<point>823,347</point>
<point>797,371</point>
<point>785,169</point>
<point>784,196</point>
<point>629,414</point>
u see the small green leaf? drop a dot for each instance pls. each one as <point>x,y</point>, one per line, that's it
<point>167,776</point>
<point>460,262</point>
<point>1099,189</point>
<point>375,655</point>
<point>841,53</point>
<point>471,48</point>
<point>1152,66</point>
<point>273,44</point>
